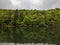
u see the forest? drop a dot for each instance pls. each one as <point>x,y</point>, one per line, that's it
<point>30,26</point>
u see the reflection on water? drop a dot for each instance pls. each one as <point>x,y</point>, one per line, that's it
<point>25,44</point>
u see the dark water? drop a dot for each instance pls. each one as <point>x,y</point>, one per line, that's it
<point>25,44</point>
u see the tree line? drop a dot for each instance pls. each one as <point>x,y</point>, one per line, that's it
<point>30,26</point>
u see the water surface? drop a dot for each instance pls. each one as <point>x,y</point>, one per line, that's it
<point>25,44</point>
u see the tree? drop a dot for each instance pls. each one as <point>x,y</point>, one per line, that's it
<point>14,27</point>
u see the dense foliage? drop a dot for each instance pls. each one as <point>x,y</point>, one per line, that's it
<point>27,26</point>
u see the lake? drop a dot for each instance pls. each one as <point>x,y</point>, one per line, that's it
<point>26,44</point>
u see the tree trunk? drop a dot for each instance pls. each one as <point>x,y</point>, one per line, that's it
<point>15,43</point>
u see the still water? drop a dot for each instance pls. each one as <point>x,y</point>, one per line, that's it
<point>26,44</point>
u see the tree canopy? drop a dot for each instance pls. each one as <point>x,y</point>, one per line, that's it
<point>30,26</point>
